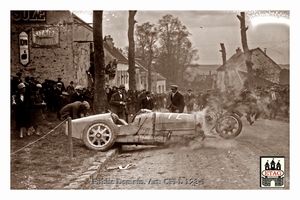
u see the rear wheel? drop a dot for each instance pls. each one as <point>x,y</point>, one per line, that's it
<point>229,126</point>
<point>100,135</point>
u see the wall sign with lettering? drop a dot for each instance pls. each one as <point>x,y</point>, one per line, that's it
<point>29,16</point>
<point>45,37</point>
<point>23,48</point>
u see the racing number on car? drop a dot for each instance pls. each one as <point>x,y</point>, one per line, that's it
<point>177,117</point>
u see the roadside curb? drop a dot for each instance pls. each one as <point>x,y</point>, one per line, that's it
<point>92,171</point>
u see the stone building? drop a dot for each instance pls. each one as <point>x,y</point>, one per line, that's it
<point>56,44</point>
<point>234,71</point>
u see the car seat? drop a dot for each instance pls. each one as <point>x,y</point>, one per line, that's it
<point>117,120</point>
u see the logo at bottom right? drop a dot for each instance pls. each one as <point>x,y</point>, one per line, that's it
<point>272,171</point>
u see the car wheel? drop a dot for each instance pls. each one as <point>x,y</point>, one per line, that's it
<point>229,126</point>
<point>99,135</point>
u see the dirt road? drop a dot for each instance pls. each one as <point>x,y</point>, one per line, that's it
<point>193,164</point>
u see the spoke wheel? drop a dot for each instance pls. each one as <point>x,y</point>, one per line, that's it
<point>99,135</point>
<point>229,126</point>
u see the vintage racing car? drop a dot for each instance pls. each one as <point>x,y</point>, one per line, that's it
<point>100,132</point>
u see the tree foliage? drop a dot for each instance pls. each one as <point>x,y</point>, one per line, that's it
<point>146,37</point>
<point>166,44</point>
<point>176,51</point>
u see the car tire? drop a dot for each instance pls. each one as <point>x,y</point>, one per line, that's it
<point>100,135</point>
<point>227,133</point>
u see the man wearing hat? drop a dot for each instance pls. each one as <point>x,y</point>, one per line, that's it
<point>77,95</point>
<point>59,81</point>
<point>58,98</point>
<point>177,100</point>
<point>36,104</point>
<point>70,88</point>
<point>20,103</point>
<point>147,102</point>
<point>118,104</point>
<point>189,99</point>
<point>74,110</point>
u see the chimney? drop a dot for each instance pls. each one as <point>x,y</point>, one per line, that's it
<point>265,50</point>
<point>109,41</point>
<point>238,50</point>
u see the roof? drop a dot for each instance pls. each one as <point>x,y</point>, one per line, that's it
<point>160,77</point>
<point>237,60</point>
<point>81,22</point>
<point>115,53</point>
<point>143,64</point>
<point>232,61</point>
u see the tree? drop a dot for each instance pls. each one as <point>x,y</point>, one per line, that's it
<point>131,52</point>
<point>176,51</point>
<point>246,50</point>
<point>146,36</point>
<point>223,51</point>
<point>99,65</point>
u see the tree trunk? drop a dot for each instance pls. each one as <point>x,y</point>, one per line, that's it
<point>131,50</point>
<point>99,92</point>
<point>247,52</point>
<point>223,51</point>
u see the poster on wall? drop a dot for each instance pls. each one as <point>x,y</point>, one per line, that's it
<point>23,48</point>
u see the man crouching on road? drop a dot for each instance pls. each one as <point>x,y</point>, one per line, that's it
<point>74,110</point>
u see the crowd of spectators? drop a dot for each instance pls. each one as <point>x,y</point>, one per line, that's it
<point>31,99</point>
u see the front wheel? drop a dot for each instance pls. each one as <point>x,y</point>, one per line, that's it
<point>229,126</point>
<point>99,135</point>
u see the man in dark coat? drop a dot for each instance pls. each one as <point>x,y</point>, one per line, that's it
<point>20,105</point>
<point>118,104</point>
<point>177,100</point>
<point>147,102</point>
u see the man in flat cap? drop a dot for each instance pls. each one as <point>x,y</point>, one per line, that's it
<point>177,100</point>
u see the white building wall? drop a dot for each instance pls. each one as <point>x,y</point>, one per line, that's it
<point>161,86</point>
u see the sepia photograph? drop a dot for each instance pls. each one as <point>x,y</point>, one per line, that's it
<point>150,99</point>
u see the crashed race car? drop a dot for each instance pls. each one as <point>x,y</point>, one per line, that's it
<point>100,132</point>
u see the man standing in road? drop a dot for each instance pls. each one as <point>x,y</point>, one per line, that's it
<point>189,99</point>
<point>118,104</point>
<point>177,100</point>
